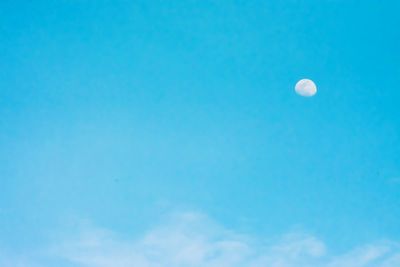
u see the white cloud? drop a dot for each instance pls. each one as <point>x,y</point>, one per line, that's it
<point>193,240</point>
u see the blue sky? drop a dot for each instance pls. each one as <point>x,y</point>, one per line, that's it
<point>124,112</point>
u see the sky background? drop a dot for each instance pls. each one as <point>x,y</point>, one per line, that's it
<point>123,112</point>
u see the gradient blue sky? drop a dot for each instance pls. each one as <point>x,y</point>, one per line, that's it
<point>119,112</point>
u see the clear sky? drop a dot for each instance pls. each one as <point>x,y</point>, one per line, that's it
<point>121,113</point>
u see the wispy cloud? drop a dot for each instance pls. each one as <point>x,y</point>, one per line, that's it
<point>193,240</point>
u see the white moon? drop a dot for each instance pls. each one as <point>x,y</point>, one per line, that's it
<point>305,87</point>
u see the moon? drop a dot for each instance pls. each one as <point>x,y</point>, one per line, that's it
<point>306,88</point>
